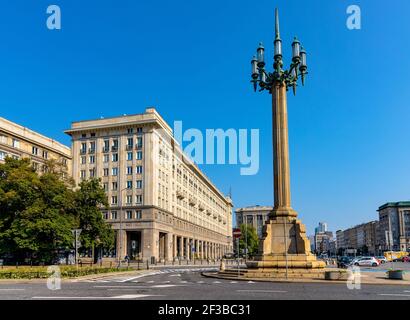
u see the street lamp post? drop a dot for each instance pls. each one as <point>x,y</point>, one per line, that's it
<point>277,83</point>
<point>285,246</point>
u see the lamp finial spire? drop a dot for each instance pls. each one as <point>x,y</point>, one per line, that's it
<point>277,33</point>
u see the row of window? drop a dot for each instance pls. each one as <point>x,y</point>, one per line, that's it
<point>106,171</point>
<point>114,157</point>
<point>129,131</point>
<point>114,145</point>
<point>129,214</point>
<point>138,199</point>
<point>114,185</point>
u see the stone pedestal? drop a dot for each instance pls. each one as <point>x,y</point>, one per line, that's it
<point>285,251</point>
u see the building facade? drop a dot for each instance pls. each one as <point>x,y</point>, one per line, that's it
<point>19,142</point>
<point>362,238</point>
<point>394,229</point>
<point>161,205</point>
<point>256,216</point>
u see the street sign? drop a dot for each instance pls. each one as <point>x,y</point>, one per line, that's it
<point>236,233</point>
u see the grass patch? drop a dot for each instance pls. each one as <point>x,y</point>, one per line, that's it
<point>65,272</point>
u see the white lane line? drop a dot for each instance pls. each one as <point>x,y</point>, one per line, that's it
<point>124,296</point>
<point>200,281</point>
<point>175,275</point>
<point>251,282</point>
<point>151,281</point>
<point>107,287</point>
<point>11,289</point>
<point>216,282</point>
<point>184,281</point>
<point>233,282</point>
<point>394,294</point>
<point>166,286</point>
<point>266,291</point>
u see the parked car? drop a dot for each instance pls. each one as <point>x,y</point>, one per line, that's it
<point>382,259</point>
<point>406,259</point>
<point>344,262</point>
<point>367,261</point>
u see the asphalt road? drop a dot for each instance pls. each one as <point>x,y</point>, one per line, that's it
<point>188,283</point>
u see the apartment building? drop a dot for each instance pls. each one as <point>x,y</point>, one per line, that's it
<point>160,204</point>
<point>255,216</point>
<point>363,238</point>
<point>394,233</point>
<point>18,142</point>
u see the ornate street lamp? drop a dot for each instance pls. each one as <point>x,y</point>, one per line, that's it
<point>285,249</point>
<point>267,80</point>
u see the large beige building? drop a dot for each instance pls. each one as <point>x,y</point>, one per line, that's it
<point>18,142</point>
<point>256,216</point>
<point>161,204</point>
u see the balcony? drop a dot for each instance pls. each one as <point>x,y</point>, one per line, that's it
<point>128,147</point>
<point>192,201</point>
<point>208,212</point>
<point>114,149</point>
<point>180,194</point>
<point>91,151</point>
<point>215,215</point>
<point>106,149</point>
<point>201,207</point>
<point>219,218</point>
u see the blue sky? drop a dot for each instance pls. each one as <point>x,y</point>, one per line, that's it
<point>348,127</point>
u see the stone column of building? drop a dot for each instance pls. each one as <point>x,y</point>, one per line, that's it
<point>174,246</point>
<point>168,247</point>
<point>187,253</point>
<point>150,244</point>
<point>180,247</point>
<point>121,244</point>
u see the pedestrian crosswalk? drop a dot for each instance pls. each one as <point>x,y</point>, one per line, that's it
<point>174,272</point>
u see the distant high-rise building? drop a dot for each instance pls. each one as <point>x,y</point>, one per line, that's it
<point>321,228</point>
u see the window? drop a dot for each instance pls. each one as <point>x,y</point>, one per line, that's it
<point>105,215</point>
<point>139,155</point>
<point>92,134</point>
<point>115,157</point>
<point>82,174</point>
<point>105,184</point>
<point>139,184</point>
<point>139,142</point>
<point>45,154</point>
<point>92,159</point>
<point>130,143</point>
<point>129,156</point>
<point>83,160</point>
<point>129,215</point>
<point>105,172</point>
<point>139,199</point>
<point>92,146</point>
<point>15,143</point>
<point>114,215</point>
<point>2,155</point>
<point>139,169</point>
<point>138,214</point>
<point>34,150</point>
<point>129,170</point>
<point>114,171</point>
<point>106,145</point>
<point>92,173</point>
<point>129,184</point>
<point>130,130</point>
<point>114,200</point>
<point>129,199</point>
<point>114,186</point>
<point>3,139</point>
<point>83,135</point>
<point>83,147</point>
<point>139,130</point>
<point>115,145</point>
<point>106,158</point>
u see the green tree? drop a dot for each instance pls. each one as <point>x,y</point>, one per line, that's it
<point>89,198</point>
<point>249,238</point>
<point>36,212</point>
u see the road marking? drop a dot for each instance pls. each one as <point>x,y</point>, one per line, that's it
<point>11,289</point>
<point>251,282</point>
<point>167,281</point>
<point>175,275</point>
<point>216,282</point>
<point>151,281</point>
<point>140,276</point>
<point>184,281</point>
<point>394,294</point>
<point>200,281</point>
<point>124,296</point>
<point>106,287</point>
<point>234,282</point>
<point>165,286</point>
<point>266,291</point>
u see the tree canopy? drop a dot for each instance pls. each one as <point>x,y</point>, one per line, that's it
<point>38,211</point>
<point>249,239</point>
